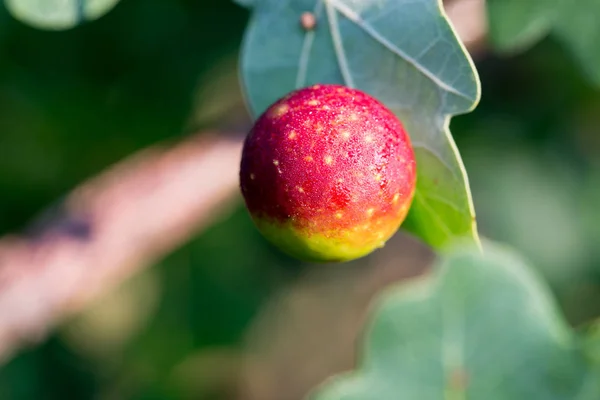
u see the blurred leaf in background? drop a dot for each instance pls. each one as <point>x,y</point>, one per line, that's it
<point>482,326</point>
<point>58,14</point>
<point>517,25</point>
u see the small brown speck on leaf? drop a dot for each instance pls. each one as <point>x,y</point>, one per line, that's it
<point>308,21</point>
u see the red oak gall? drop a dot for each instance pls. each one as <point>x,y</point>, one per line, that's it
<point>328,173</point>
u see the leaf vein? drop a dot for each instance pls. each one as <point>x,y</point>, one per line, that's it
<point>421,145</point>
<point>354,17</point>
<point>433,213</point>
<point>338,44</point>
<point>446,202</point>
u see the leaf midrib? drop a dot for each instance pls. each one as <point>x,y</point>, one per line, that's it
<point>333,6</point>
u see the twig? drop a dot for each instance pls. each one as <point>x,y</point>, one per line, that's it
<point>108,229</point>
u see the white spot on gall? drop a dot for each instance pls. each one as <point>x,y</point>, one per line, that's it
<point>339,215</point>
<point>313,103</point>
<point>308,159</point>
<point>292,135</point>
<point>377,177</point>
<point>328,160</point>
<point>279,111</point>
<point>300,189</point>
<point>252,177</point>
<point>396,197</point>
<point>346,134</point>
<point>370,212</point>
<point>369,139</point>
<point>275,162</point>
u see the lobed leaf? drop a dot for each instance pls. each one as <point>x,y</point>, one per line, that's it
<point>483,326</point>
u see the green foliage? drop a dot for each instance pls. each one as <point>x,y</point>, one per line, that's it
<point>578,28</point>
<point>404,53</point>
<point>516,25</point>
<point>592,342</point>
<point>58,14</point>
<point>73,103</point>
<point>482,326</point>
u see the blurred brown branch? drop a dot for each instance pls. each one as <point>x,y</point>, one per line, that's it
<point>109,228</point>
<point>125,219</point>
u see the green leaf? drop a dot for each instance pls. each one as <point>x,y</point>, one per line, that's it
<point>58,14</point>
<point>403,52</point>
<point>591,337</point>
<point>591,344</point>
<point>482,326</point>
<point>516,25</point>
<point>579,30</point>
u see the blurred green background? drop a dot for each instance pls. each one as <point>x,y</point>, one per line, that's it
<point>74,102</point>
